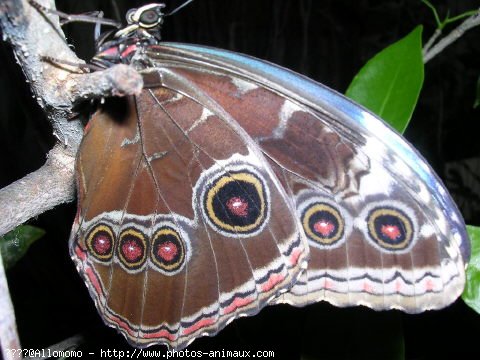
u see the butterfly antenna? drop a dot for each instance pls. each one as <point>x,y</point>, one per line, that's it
<point>179,8</point>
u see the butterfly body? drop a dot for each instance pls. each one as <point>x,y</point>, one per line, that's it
<point>230,183</point>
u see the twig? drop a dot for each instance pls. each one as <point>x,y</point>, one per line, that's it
<point>34,35</point>
<point>43,189</point>
<point>430,51</point>
<point>431,41</point>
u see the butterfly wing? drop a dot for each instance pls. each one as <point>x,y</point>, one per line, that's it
<point>382,229</point>
<point>182,225</point>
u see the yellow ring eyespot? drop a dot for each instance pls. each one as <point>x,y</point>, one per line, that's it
<point>236,203</point>
<point>323,223</point>
<point>390,228</point>
<point>168,250</point>
<point>132,248</point>
<point>100,242</point>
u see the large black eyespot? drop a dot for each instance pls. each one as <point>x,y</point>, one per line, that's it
<point>236,203</point>
<point>132,248</point>
<point>323,223</point>
<point>390,228</point>
<point>100,242</point>
<point>168,250</point>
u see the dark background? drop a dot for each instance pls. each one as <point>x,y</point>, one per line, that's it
<point>329,41</point>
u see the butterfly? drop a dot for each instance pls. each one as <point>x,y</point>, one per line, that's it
<point>230,184</point>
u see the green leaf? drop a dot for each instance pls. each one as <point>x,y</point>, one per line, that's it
<point>477,96</point>
<point>471,293</point>
<point>389,84</point>
<point>16,243</point>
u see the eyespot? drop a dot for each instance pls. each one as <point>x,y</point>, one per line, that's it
<point>236,203</point>
<point>168,250</point>
<point>132,248</point>
<point>100,242</point>
<point>390,227</point>
<point>323,223</point>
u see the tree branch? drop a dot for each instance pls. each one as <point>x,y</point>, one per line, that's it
<point>35,35</point>
<point>43,189</point>
<point>430,50</point>
<point>57,88</point>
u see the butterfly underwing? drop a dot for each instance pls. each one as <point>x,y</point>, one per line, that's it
<point>231,183</point>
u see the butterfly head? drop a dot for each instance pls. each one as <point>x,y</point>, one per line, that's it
<point>147,16</point>
<point>143,29</point>
<point>143,23</point>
